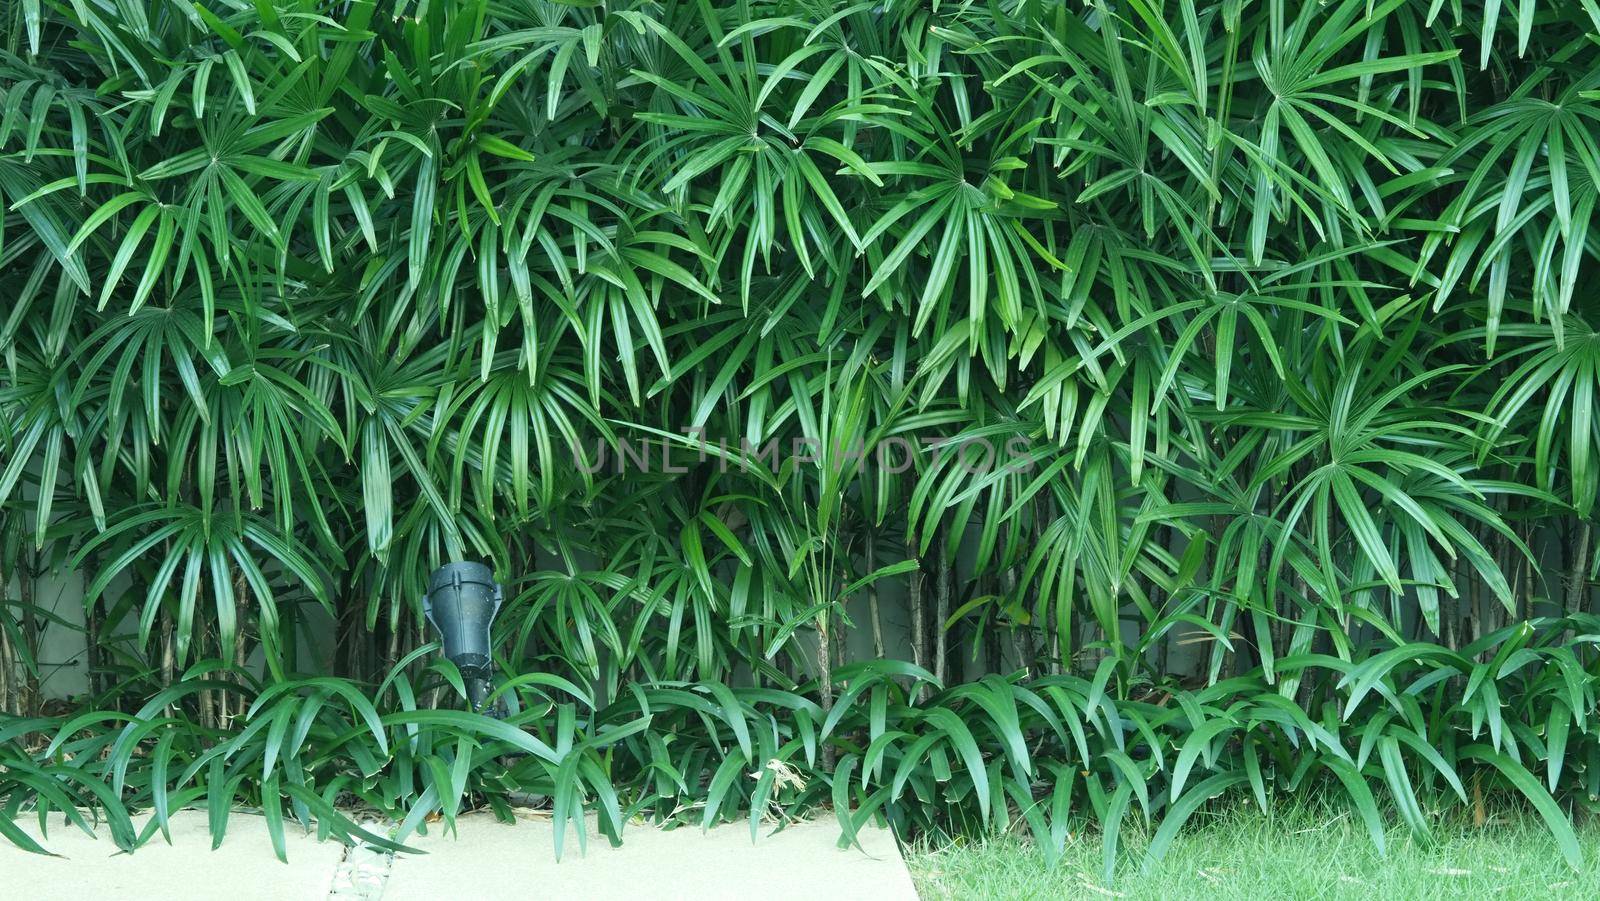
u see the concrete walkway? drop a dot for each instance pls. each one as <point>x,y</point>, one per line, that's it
<point>487,860</point>
<point>242,869</point>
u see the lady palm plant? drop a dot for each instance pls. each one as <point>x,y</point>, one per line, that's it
<point>1214,382</point>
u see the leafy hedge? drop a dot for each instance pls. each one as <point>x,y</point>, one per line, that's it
<point>1050,755</point>
<point>1209,384</point>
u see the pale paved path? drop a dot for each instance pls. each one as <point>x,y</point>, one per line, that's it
<point>487,861</point>
<point>242,869</point>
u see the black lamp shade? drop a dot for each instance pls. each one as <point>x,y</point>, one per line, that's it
<point>462,601</point>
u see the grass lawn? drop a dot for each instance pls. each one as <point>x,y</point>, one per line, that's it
<point>1288,853</point>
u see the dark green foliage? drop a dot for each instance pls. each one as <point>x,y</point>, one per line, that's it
<point>1269,327</point>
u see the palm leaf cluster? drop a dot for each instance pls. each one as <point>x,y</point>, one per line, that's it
<point>1200,397</point>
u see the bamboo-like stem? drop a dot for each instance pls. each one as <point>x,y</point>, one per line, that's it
<point>208,635</point>
<point>391,654</point>
<point>1479,606</point>
<point>941,598</point>
<point>1043,515</point>
<point>93,660</point>
<point>1578,570</point>
<point>9,701</point>
<point>1449,612</point>
<point>208,709</point>
<point>26,595</point>
<point>919,625</point>
<point>91,639</point>
<point>25,690</point>
<point>12,680</point>
<point>824,660</point>
<point>1506,560</point>
<point>241,610</point>
<point>169,657</point>
<point>872,599</point>
<point>825,671</point>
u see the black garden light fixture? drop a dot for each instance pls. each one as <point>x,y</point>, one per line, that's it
<point>461,602</point>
